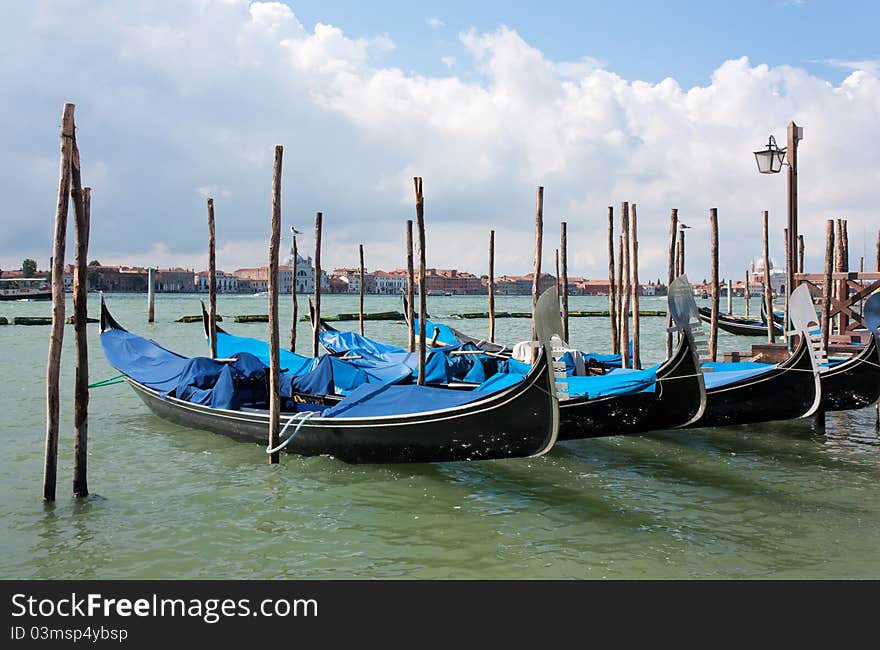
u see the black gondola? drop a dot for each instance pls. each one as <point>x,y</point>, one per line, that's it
<point>855,383</point>
<point>679,397</point>
<point>738,325</point>
<point>461,337</point>
<point>520,421</point>
<point>782,392</point>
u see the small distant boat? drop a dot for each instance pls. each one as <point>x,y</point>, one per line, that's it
<point>261,294</point>
<point>739,325</point>
<point>25,289</point>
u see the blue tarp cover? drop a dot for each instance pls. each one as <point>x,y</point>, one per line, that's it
<point>446,336</point>
<point>724,374</point>
<point>144,361</point>
<point>339,341</point>
<point>371,400</point>
<point>621,381</point>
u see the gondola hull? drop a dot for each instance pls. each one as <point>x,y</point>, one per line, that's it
<point>679,399</point>
<point>853,384</point>
<point>520,421</point>
<point>790,390</point>
<point>738,326</point>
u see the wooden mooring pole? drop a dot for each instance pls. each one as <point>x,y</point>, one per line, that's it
<point>563,247</point>
<point>362,288</point>
<point>151,295</point>
<point>768,290</point>
<point>53,366</point>
<point>82,201</point>
<point>423,300</point>
<point>877,260</point>
<point>670,274</point>
<point>800,257</point>
<point>730,297</point>
<point>294,256</point>
<point>212,281</point>
<point>634,264</point>
<point>536,271</point>
<point>748,292</point>
<point>827,285</point>
<point>612,285</point>
<point>625,285</point>
<point>491,285</point>
<point>410,286</point>
<point>713,326</point>
<point>274,334</point>
<point>319,218</point>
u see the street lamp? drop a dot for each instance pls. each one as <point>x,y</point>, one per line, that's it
<point>770,161</point>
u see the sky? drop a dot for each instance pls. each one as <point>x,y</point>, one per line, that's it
<point>658,104</point>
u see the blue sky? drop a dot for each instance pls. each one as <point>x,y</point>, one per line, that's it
<point>637,39</point>
<point>658,104</point>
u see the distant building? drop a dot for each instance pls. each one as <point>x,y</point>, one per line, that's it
<point>225,282</point>
<point>305,277</point>
<point>175,281</point>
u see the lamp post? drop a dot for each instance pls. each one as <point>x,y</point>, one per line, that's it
<point>770,161</point>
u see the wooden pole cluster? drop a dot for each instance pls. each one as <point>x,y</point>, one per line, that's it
<point>492,285</point>
<point>295,256</point>
<point>625,284</point>
<point>563,247</point>
<point>151,295</point>
<point>361,303</point>
<point>768,290</point>
<point>53,367</point>
<point>319,219</point>
<point>212,281</point>
<point>410,286</point>
<point>536,275</point>
<point>612,285</point>
<point>713,327</point>
<point>671,273</point>
<point>274,335</point>
<point>423,300</point>
<point>82,200</point>
<point>634,265</point>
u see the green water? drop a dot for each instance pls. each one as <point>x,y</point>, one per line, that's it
<point>772,500</point>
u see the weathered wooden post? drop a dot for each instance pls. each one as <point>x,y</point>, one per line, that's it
<point>634,264</point>
<point>82,200</point>
<point>53,367</point>
<point>800,259</point>
<point>670,274</point>
<point>713,327</point>
<point>423,300</point>
<point>212,281</point>
<point>827,292</point>
<point>410,286</point>
<point>681,251</point>
<point>679,267</point>
<point>625,285</point>
<point>492,285</point>
<point>612,285</point>
<point>877,261</point>
<point>840,284</point>
<point>536,272</point>
<point>788,276</point>
<point>768,290</point>
<point>294,256</point>
<point>274,334</point>
<point>558,288</point>
<point>748,292</point>
<point>319,218</point>
<point>563,244</point>
<point>361,282</point>
<point>729,297</point>
<point>151,294</point>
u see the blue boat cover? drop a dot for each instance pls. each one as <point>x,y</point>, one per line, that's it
<point>339,341</point>
<point>146,362</point>
<point>446,335</point>
<point>725,374</point>
<point>372,400</point>
<point>621,381</point>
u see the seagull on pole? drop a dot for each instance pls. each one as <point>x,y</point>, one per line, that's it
<point>295,231</point>
<point>682,226</point>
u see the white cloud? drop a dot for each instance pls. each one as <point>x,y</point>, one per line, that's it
<point>435,23</point>
<point>871,66</point>
<point>448,61</point>
<point>178,100</point>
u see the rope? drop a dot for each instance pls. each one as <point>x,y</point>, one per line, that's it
<point>116,379</point>
<point>300,418</point>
